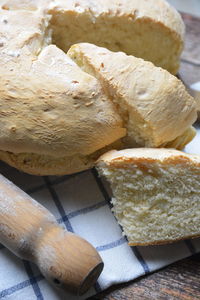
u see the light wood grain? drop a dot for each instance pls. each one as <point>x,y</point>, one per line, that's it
<point>31,232</point>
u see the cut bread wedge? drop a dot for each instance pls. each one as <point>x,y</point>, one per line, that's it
<point>154,104</point>
<point>156,193</point>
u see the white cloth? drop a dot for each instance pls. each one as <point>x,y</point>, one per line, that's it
<point>81,202</point>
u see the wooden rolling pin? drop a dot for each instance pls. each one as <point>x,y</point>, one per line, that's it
<point>31,232</point>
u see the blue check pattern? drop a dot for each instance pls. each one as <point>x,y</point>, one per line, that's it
<point>81,202</point>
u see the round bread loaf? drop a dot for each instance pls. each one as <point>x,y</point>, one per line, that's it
<point>54,117</point>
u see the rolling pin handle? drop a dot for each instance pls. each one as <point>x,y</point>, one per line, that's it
<point>31,232</point>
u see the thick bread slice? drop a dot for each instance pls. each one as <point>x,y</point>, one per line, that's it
<point>141,28</point>
<point>156,193</point>
<point>153,103</point>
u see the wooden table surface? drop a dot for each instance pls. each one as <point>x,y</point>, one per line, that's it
<point>180,280</point>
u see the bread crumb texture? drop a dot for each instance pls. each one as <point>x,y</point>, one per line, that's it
<point>156,193</point>
<point>135,27</point>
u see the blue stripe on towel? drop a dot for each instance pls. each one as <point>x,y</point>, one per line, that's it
<point>19,286</point>
<point>82,211</point>
<point>33,280</point>
<point>111,245</point>
<point>58,204</point>
<point>140,259</point>
<point>101,186</point>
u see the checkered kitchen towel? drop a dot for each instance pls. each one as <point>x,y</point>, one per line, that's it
<point>82,203</point>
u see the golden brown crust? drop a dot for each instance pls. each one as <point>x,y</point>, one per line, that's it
<point>43,165</point>
<point>54,109</point>
<point>164,242</point>
<point>38,164</point>
<point>143,157</point>
<point>144,164</point>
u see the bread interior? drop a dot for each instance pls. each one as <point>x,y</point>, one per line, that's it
<point>118,33</point>
<point>154,202</point>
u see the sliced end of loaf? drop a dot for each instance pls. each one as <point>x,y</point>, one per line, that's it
<point>156,193</point>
